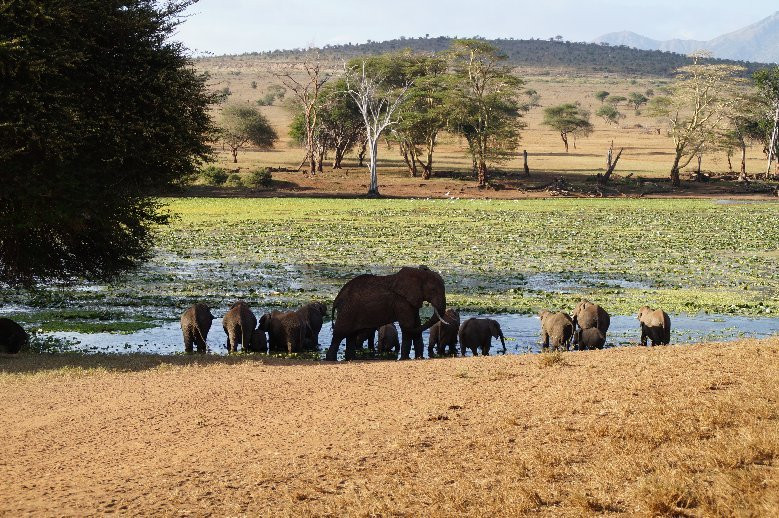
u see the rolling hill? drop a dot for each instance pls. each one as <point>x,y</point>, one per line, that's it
<point>534,53</point>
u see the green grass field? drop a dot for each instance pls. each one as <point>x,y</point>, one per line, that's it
<point>496,256</point>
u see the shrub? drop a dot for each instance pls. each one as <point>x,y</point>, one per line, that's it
<point>214,175</point>
<point>260,178</point>
<point>266,100</point>
<point>234,180</point>
<point>254,85</point>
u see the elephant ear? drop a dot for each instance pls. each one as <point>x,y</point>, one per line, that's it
<point>409,284</point>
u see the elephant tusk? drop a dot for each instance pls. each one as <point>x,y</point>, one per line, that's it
<point>440,317</point>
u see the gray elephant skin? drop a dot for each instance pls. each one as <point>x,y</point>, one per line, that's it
<point>12,336</point>
<point>312,315</point>
<point>443,338</point>
<point>556,330</point>
<point>239,324</point>
<point>195,325</point>
<point>370,301</point>
<point>588,314</point>
<point>588,339</point>
<point>388,341</point>
<point>478,333</point>
<point>286,331</point>
<point>655,325</point>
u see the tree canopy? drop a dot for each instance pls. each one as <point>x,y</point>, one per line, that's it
<point>100,110</point>
<point>242,125</point>
<point>568,119</point>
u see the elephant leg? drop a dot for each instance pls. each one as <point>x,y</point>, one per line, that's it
<point>371,344</point>
<point>419,347</point>
<point>187,342</point>
<point>405,349</point>
<point>485,347</point>
<point>351,348</point>
<point>201,344</point>
<point>332,351</point>
<point>643,335</point>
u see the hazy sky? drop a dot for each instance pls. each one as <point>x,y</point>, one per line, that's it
<point>235,26</point>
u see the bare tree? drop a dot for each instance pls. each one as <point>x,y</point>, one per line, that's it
<point>307,92</point>
<point>377,108</point>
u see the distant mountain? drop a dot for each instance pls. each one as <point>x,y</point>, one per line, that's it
<point>759,42</point>
<point>534,53</point>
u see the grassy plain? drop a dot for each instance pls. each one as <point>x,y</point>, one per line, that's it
<point>669,431</point>
<point>517,256</point>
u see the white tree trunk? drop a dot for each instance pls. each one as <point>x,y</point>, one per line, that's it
<point>374,188</point>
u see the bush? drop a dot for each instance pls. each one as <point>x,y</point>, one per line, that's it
<point>266,100</point>
<point>214,175</point>
<point>234,180</point>
<point>260,178</point>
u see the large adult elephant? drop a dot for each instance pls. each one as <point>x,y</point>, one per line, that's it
<point>371,301</point>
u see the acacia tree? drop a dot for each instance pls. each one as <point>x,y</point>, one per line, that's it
<point>377,106</point>
<point>485,106</point>
<point>306,92</point>
<point>609,113</point>
<point>637,99</point>
<point>243,125</point>
<point>698,104</point>
<point>423,113</point>
<point>569,120</point>
<point>100,110</point>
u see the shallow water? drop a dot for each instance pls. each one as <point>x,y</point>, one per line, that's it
<point>521,332</point>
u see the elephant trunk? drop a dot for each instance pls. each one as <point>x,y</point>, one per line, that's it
<point>503,342</point>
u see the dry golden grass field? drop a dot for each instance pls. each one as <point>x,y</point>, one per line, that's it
<point>672,431</point>
<point>647,154</point>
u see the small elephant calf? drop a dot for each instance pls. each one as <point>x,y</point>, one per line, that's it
<point>478,333</point>
<point>12,336</point>
<point>556,330</point>
<point>239,323</point>
<point>195,325</point>
<point>286,331</point>
<point>655,325</point>
<point>587,339</point>
<point>443,336</point>
<point>388,340</point>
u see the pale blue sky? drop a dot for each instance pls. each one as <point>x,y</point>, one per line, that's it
<point>235,26</point>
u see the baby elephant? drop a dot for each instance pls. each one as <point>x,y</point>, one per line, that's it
<point>655,325</point>
<point>239,324</point>
<point>312,315</point>
<point>588,314</point>
<point>388,340</point>
<point>12,336</point>
<point>479,332</point>
<point>286,331</point>
<point>195,324</point>
<point>444,336</point>
<point>590,338</point>
<point>556,330</point>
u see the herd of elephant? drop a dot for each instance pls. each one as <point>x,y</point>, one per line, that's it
<point>371,304</point>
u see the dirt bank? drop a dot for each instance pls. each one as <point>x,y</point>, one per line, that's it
<point>688,430</point>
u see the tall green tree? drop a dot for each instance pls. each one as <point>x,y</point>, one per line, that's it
<point>242,125</point>
<point>99,111</point>
<point>423,115</point>
<point>570,120</point>
<point>486,109</point>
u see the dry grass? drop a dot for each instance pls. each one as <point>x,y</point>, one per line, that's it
<point>674,431</point>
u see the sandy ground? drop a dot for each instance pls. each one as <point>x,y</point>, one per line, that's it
<point>681,430</point>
